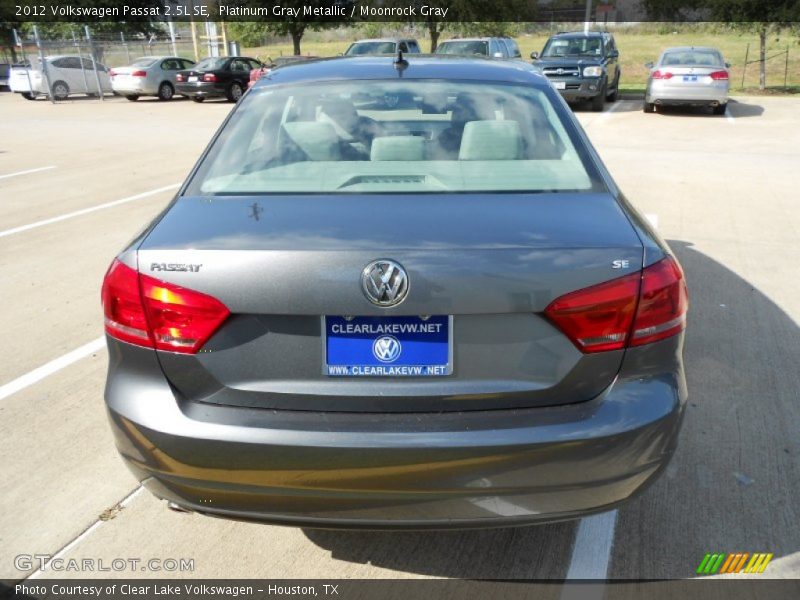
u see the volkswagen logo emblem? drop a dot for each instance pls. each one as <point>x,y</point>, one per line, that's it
<point>384,282</point>
<point>386,348</point>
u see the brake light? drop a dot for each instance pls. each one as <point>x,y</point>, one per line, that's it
<point>178,77</point>
<point>112,73</point>
<point>209,77</point>
<point>661,74</point>
<point>719,75</point>
<point>663,303</point>
<point>148,312</point>
<point>139,74</point>
<point>629,311</point>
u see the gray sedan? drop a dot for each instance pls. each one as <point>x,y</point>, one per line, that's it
<point>148,76</point>
<point>364,313</point>
<point>688,76</point>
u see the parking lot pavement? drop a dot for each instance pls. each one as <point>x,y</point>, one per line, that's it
<point>723,192</point>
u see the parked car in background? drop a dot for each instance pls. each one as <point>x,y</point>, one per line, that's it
<point>216,77</point>
<point>582,66</point>
<point>383,46</point>
<point>688,76</point>
<point>451,317</point>
<point>269,64</point>
<point>5,71</point>
<point>68,75</point>
<point>493,47</point>
<point>148,76</point>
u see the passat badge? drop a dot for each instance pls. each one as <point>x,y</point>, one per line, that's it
<point>384,282</point>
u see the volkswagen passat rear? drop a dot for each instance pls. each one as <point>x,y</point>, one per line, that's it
<point>397,295</point>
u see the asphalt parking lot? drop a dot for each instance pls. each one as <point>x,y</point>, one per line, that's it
<point>80,178</point>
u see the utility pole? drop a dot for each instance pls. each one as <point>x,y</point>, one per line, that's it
<point>587,16</point>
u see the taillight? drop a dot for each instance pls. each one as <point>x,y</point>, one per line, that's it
<point>209,77</point>
<point>178,77</point>
<point>597,318</point>
<point>148,312</point>
<point>663,303</point>
<point>112,73</point>
<point>139,74</point>
<point>661,75</point>
<point>719,75</point>
<point>629,311</point>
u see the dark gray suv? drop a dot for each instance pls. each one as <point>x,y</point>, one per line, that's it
<point>582,66</point>
<point>360,314</point>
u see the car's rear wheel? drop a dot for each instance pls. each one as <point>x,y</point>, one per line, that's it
<point>132,97</point>
<point>720,109</point>
<point>197,99</point>
<point>28,96</point>
<point>165,91</point>
<point>648,107</point>
<point>599,101</point>
<point>235,92</point>
<point>60,90</point>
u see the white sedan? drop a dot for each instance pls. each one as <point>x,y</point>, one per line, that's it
<point>67,75</point>
<point>688,76</point>
<point>149,76</point>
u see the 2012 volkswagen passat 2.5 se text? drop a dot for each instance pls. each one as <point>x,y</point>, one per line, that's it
<point>397,293</point>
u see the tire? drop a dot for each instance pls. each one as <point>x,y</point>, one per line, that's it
<point>720,109</point>
<point>28,96</point>
<point>612,97</point>
<point>235,92</point>
<point>60,90</point>
<point>197,99</point>
<point>648,107</point>
<point>165,91</point>
<point>599,101</point>
<point>132,97</point>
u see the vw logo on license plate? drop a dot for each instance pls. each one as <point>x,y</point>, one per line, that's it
<point>387,348</point>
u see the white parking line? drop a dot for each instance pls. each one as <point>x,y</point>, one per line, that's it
<point>55,365</point>
<point>591,553</point>
<point>6,176</point>
<point>84,211</point>
<point>729,115</point>
<point>83,535</point>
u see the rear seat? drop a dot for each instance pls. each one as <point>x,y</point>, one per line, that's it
<point>491,140</point>
<point>398,147</point>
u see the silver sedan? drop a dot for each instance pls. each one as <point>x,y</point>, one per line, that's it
<point>688,76</point>
<point>149,76</point>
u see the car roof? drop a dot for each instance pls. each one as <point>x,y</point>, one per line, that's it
<point>469,39</point>
<point>689,49</point>
<point>419,66</point>
<point>388,39</point>
<point>579,34</point>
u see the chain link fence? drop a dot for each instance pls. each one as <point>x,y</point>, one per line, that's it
<point>81,63</point>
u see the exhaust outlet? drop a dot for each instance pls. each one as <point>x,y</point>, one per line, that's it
<point>177,508</point>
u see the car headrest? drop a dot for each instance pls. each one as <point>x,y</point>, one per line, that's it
<point>318,140</point>
<point>398,147</point>
<point>491,140</point>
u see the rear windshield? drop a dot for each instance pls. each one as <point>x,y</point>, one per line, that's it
<point>697,58</point>
<point>143,62</point>
<point>210,64</point>
<point>473,47</point>
<point>588,46</point>
<point>390,137</point>
<point>371,48</point>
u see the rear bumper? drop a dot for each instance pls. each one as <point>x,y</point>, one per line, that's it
<point>414,470</point>
<point>201,89</point>
<point>687,96</point>
<point>130,88</point>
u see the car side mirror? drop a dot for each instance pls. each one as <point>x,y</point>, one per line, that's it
<point>534,55</point>
<point>727,65</point>
<point>613,54</point>
<point>649,65</point>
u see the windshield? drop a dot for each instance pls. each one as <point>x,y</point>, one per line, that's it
<point>143,62</point>
<point>371,48</point>
<point>587,46</point>
<point>392,136</point>
<point>465,47</point>
<point>210,64</point>
<point>696,58</point>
